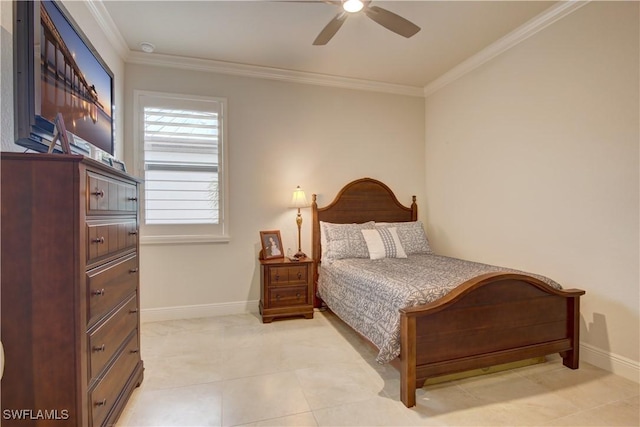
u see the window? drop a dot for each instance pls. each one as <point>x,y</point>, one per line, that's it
<point>181,157</point>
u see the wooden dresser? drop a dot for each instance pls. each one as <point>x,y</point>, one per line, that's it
<point>69,290</point>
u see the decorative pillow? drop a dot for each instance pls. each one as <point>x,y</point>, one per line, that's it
<point>412,236</point>
<point>383,242</point>
<point>345,240</point>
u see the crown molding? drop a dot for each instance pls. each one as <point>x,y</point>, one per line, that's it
<point>528,29</point>
<point>113,34</point>
<point>108,27</point>
<point>255,71</point>
<point>533,26</point>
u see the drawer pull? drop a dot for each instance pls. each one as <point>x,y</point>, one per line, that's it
<point>99,240</point>
<point>133,311</point>
<point>298,295</point>
<point>134,351</point>
<point>132,199</point>
<point>299,275</point>
<point>102,402</point>
<point>278,297</point>
<point>98,349</point>
<point>277,277</point>
<point>133,270</point>
<point>133,233</point>
<point>98,292</point>
<point>98,193</point>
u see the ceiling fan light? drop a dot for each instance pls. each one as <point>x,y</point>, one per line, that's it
<point>353,6</point>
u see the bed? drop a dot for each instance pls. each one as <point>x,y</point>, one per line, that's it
<point>481,315</point>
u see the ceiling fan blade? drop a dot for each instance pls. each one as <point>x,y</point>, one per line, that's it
<point>391,21</point>
<point>330,29</point>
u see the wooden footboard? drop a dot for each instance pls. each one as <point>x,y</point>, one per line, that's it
<point>491,319</point>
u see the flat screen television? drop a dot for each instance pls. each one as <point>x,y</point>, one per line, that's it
<point>57,70</point>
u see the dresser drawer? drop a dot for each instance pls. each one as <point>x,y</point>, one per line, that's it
<point>287,296</point>
<point>110,284</point>
<point>107,195</point>
<point>110,335</point>
<point>106,238</point>
<point>107,391</point>
<point>289,275</point>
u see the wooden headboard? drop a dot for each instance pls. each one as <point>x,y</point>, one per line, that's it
<point>362,200</point>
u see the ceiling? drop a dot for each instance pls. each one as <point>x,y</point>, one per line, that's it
<point>279,34</point>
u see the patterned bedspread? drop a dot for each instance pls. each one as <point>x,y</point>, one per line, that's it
<point>368,294</point>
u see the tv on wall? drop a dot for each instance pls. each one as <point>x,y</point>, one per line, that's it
<point>57,70</point>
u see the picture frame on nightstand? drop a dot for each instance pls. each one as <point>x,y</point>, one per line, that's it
<point>271,244</point>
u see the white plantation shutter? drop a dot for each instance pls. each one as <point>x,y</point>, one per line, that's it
<point>180,166</point>
<point>181,145</point>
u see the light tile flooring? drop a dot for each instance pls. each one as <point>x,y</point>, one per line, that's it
<point>234,370</point>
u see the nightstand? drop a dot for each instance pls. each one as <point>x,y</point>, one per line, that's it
<point>286,288</point>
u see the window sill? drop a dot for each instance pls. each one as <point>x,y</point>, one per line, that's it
<point>183,240</point>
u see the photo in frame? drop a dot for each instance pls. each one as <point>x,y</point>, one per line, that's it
<point>271,244</point>
<point>117,164</point>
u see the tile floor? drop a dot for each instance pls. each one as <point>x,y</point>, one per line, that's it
<point>234,370</point>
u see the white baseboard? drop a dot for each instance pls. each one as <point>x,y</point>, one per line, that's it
<point>196,311</point>
<point>617,364</point>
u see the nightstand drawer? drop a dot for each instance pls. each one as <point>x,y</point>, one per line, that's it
<point>288,296</point>
<point>289,275</point>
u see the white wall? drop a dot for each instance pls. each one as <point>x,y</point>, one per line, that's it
<point>280,135</point>
<point>532,162</point>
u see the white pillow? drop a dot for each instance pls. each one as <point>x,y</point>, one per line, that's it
<point>412,236</point>
<point>383,243</point>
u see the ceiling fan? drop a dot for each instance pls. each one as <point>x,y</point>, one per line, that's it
<point>387,19</point>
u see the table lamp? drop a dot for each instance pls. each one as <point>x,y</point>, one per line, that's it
<point>299,200</point>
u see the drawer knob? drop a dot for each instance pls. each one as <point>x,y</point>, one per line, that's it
<point>132,199</point>
<point>98,292</point>
<point>277,277</point>
<point>133,311</point>
<point>99,240</point>
<point>299,275</point>
<point>278,297</point>
<point>133,233</point>
<point>134,351</point>
<point>98,348</point>
<point>298,295</point>
<point>102,402</point>
<point>98,193</point>
<point>133,270</point>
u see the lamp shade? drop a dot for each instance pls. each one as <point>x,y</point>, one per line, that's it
<point>299,199</point>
